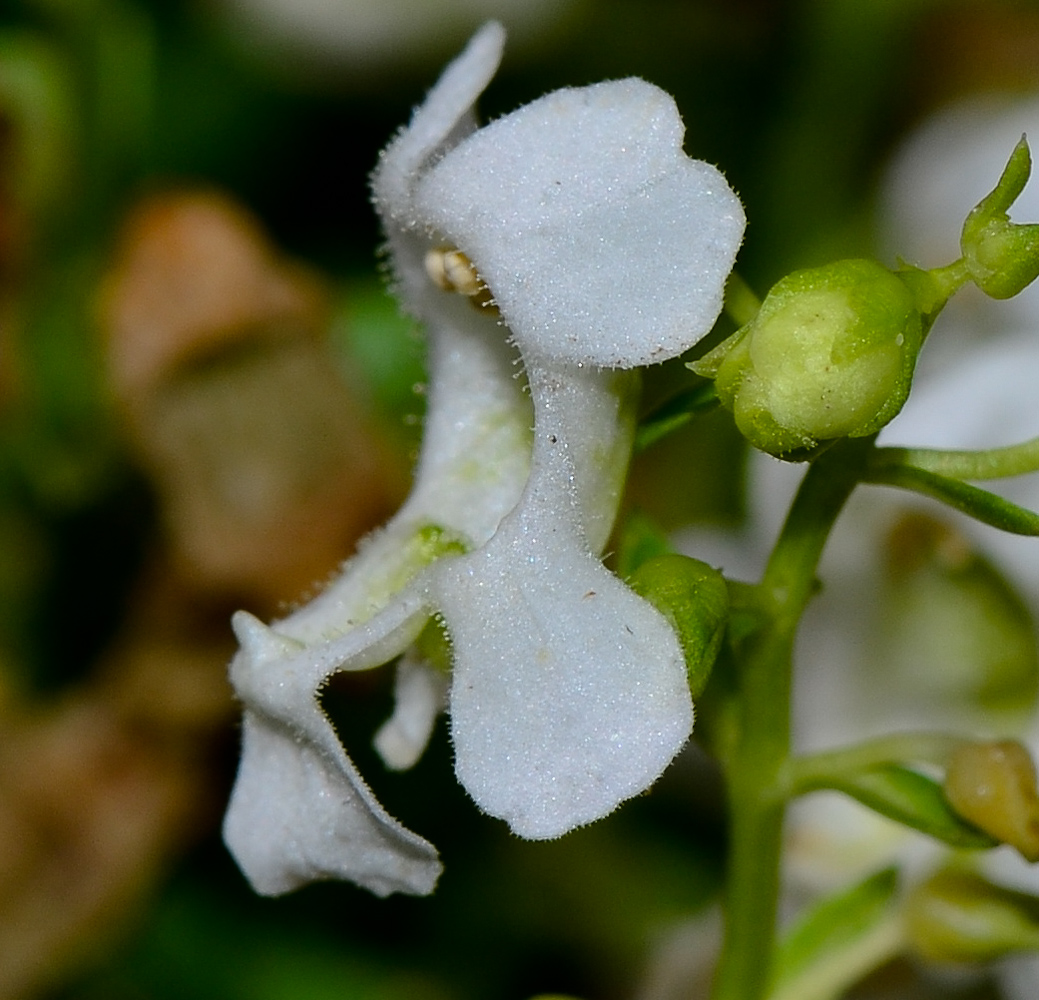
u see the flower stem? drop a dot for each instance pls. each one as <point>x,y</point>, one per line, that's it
<point>822,770</point>
<point>992,463</point>
<point>757,768</point>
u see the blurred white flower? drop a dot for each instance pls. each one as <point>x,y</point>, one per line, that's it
<point>368,36</point>
<point>568,691</point>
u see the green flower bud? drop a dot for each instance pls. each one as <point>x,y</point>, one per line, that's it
<point>958,916</point>
<point>993,785</point>
<point>694,598</point>
<point>829,355</point>
<point>1001,256</point>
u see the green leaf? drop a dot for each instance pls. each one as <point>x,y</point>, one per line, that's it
<point>838,941</point>
<point>675,413</point>
<point>914,800</point>
<point>977,503</point>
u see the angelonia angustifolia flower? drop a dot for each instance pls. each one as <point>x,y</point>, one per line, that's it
<point>568,692</point>
<point>829,355</point>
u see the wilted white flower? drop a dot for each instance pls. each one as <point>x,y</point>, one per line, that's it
<point>568,691</point>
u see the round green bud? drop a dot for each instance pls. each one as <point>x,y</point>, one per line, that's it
<point>830,354</point>
<point>1002,257</point>
<point>957,916</point>
<point>694,599</point>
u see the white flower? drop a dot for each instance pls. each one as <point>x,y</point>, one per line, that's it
<point>604,247</point>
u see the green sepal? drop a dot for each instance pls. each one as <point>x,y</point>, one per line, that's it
<point>971,500</point>
<point>838,941</point>
<point>914,800</point>
<point>434,645</point>
<point>694,599</point>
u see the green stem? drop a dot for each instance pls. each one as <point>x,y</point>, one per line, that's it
<point>992,463</point>
<point>825,769</point>
<point>757,768</point>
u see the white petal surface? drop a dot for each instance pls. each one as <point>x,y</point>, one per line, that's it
<point>602,242</point>
<point>447,108</point>
<point>301,813</point>
<point>420,694</point>
<point>569,691</point>
<point>299,810</point>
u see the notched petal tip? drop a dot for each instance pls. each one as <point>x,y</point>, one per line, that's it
<point>601,241</point>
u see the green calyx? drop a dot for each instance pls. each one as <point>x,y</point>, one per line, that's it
<point>694,599</point>
<point>1002,256</point>
<point>830,354</point>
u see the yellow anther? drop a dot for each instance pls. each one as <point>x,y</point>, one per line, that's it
<point>452,271</point>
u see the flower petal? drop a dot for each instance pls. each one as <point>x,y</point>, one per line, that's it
<point>569,691</point>
<point>601,241</point>
<point>446,111</point>
<point>420,695</point>
<point>299,813</point>
<point>299,810</point>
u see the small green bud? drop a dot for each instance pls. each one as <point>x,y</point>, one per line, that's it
<point>694,598</point>
<point>1002,256</point>
<point>993,786</point>
<point>957,916</point>
<point>829,355</point>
